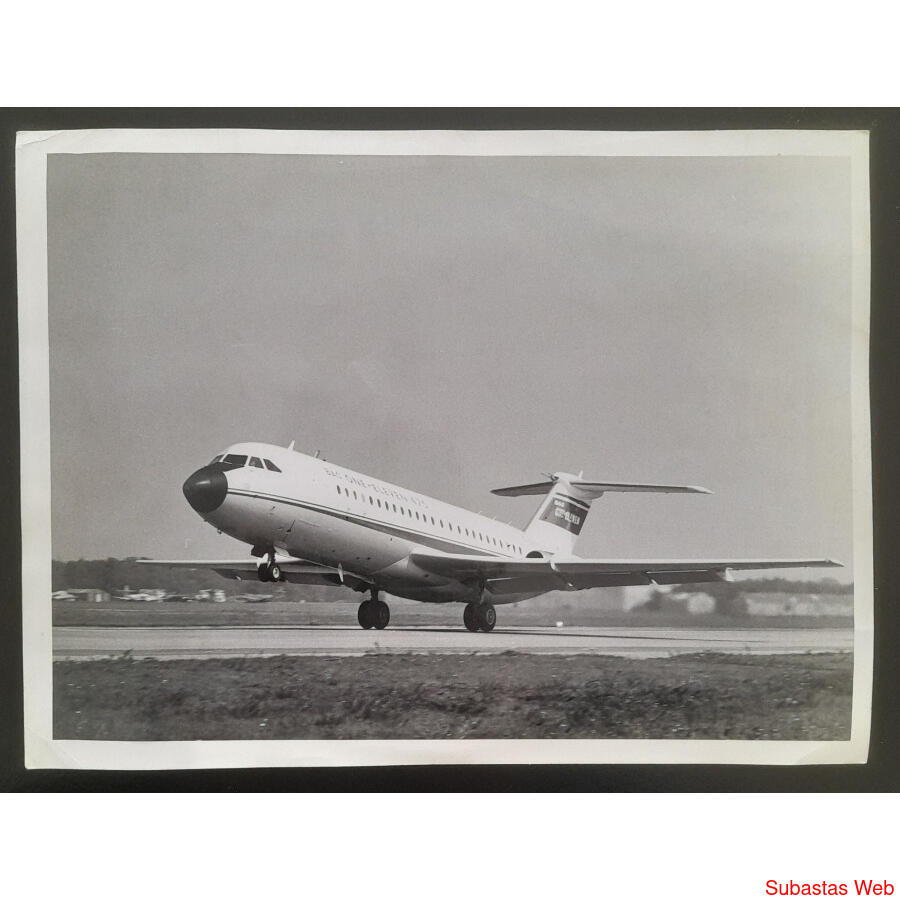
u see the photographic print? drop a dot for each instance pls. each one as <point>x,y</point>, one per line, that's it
<point>360,448</point>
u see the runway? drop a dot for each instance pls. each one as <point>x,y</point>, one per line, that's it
<point>80,642</point>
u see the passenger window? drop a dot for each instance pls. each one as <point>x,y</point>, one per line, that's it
<point>254,461</point>
<point>271,466</point>
<point>379,504</point>
<point>354,496</point>
<point>371,502</point>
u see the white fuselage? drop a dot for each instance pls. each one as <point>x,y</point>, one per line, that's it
<point>317,511</point>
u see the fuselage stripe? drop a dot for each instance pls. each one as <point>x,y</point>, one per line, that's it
<point>579,503</point>
<point>407,534</point>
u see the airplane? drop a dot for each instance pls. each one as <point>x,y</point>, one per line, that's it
<point>309,521</point>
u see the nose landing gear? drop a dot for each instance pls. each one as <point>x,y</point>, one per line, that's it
<point>374,613</point>
<point>479,617</point>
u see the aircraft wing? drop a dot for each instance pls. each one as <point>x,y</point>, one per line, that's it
<point>296,571</point>
<point>512,576</point>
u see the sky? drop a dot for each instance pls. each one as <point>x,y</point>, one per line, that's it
<point>455,324</point>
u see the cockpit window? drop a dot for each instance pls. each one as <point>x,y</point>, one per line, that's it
<point>271,466</point>
<point>216,459</point>
<point>235,459</point>
<point>254,461</point>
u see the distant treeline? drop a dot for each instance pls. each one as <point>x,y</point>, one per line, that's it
<point>786,586</point>
<point>114,575</point>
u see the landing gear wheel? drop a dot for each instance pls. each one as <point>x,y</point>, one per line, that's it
<point>365,615</point>
<point>470,617</point>
<point>269,572</point>
<point>381,614</point>
<point>487,617</point>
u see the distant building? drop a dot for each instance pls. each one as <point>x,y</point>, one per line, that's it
<point>91,595</point>
<point>144,595</point>
<point>768,604</point>
<point>799,605</point>
<point>207,595</point>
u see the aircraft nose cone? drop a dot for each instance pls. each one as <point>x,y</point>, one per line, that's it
<point>206,489</point>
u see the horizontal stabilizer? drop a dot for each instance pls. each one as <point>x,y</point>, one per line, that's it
<point>596,488</point>
<point>524,490</point>
<point>602,487</point>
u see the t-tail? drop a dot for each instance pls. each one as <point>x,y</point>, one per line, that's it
<point>559,519</point>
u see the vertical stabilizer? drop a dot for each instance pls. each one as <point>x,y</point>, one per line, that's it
<point>559,519</point>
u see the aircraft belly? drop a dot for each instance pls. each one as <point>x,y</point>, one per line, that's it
<point>334,540</point>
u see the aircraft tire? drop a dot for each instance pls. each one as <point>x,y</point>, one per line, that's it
<point>470,617</point>
<point>274,572</point>
<point>487,617</point>
<point>262,573</point>
<point>364,614</point>
<point>381,614</point>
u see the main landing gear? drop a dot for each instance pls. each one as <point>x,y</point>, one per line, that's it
<point>480,617</point>
<point>374,613</point>
<point>270,571</point>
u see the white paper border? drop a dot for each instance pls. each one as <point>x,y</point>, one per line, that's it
<point>41,751</point>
